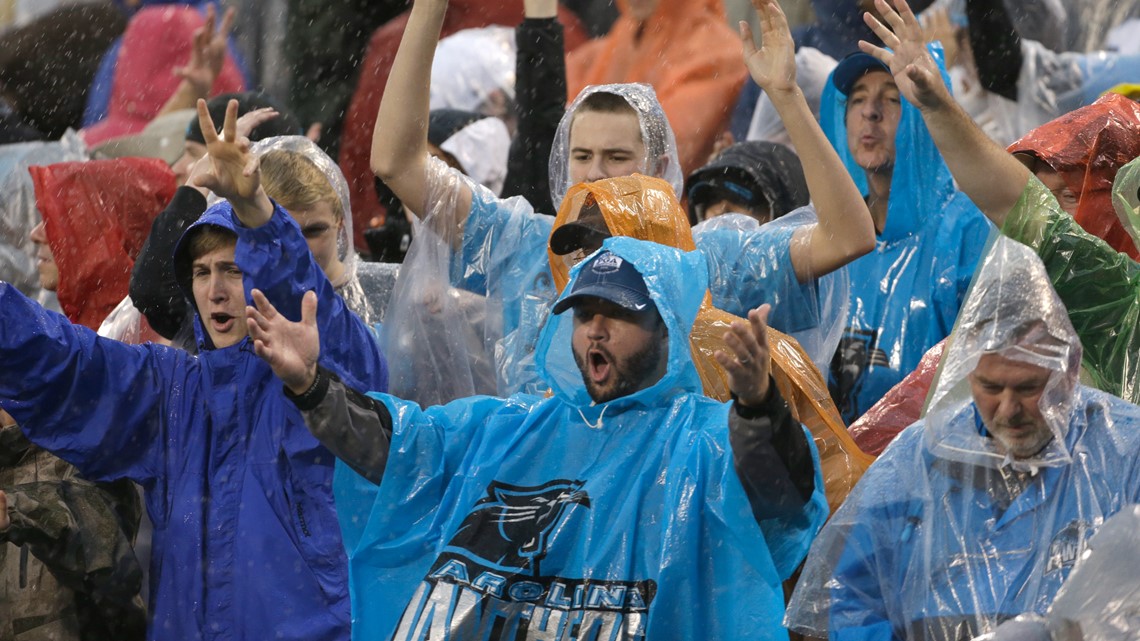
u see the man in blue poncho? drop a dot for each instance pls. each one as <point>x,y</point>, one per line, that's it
<point>978,512</point>
<point>246,541</point>
<point>625,506</point>
<point>905,294</point>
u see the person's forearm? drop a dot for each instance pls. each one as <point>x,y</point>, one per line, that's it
<point>399,142</point>
<point>540,88</point>
<point>357,429</point>
<point>845,230</point>
<point>992,178</point>
<point>184,97</point>
<point>772,457</point>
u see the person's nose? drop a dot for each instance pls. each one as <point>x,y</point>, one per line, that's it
<point>39,234</point>
<point>1009,406</point>
<point>597,169</point>
<point>218,292</point>
<point>873,110</point>
<point>597,328</point>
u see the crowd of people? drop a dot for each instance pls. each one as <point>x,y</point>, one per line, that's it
<point>495,331</point>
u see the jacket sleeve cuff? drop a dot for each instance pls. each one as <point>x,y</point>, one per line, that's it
<point>313,396</point>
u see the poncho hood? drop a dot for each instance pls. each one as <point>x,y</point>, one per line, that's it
<point>1012,311</point>
<point>1087,147</point>
<point>655,133</point>
<point>921,181</point>
<point>677,283</point>
<point>97,214</point>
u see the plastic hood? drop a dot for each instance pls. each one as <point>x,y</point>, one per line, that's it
<point>1011,310</point>
<point>655,133</point>
<point>677,282</point>
<point>1087,147</point>
<point>309,149</point>
<point>921,181</point>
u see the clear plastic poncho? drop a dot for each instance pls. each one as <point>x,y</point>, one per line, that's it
<point>470,65</point>
<point>440,341</point>
<point>1100,601</point>
<point>18,213</point>
<point>348,286</point>
<point>832,290</point>
<point>655,133</point>
<point>945,537</point>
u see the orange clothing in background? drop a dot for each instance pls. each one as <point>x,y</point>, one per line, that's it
<point>690,56</point>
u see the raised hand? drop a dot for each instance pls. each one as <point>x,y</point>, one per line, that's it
<point>233,171</point>
<point>208,52</point>
<point>773,65</point>
<point>750,364</point>
<point>291,349</point>
<point>916,74</point>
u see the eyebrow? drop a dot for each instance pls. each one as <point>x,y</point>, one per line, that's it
<point>605,150</point>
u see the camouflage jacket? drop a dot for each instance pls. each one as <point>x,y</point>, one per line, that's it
<point>67,567</point>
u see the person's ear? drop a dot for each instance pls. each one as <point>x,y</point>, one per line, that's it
<point>662,166</point>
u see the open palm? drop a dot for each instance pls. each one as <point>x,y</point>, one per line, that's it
<point>773,65</point>
<point>916,74</point>
<point>290,348</point>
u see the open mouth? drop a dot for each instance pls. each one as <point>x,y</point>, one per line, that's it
<point>600,366</point>
<point>222,322</point>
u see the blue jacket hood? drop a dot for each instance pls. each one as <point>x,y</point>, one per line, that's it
<point>921,182</point>
<point>220,215</point>
<point>677,282</point>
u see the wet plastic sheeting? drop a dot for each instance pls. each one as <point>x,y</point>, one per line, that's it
<point>947,535</point>
<point>660,143</point>
<point>97,214</point>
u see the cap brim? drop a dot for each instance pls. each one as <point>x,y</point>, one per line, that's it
<point>574,236</point>
<point>621,296</point>
<point>854,67</point>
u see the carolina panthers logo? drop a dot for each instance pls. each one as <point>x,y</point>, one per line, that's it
<point>510,526</point>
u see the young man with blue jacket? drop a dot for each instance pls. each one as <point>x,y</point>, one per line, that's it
<point>246,542</point>
<point>626,506</point>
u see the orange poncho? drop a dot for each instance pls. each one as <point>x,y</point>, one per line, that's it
<point>644,208</point>
<point>690,56</point>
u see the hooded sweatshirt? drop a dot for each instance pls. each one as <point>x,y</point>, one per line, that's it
<point>642,528</point>
<point>946,535</point>
<point>905,294</point>
<point>690,56</point>
<point>246,543</point>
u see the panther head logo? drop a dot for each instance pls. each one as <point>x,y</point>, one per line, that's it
<point>510,526</point>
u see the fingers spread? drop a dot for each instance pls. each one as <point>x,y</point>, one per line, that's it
<point>309,308</point>
<point>209,132</point>
<point>263,305</point>
<point>229,127</point>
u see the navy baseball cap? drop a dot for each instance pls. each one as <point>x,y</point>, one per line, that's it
<point>609,277</point>
<point>854,67</point>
